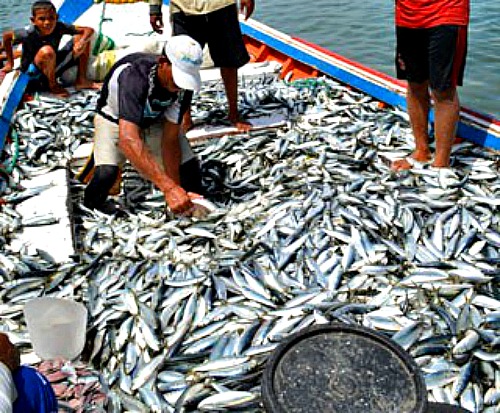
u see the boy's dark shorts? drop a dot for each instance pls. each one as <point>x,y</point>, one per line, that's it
<point>436,54</point>
<point>219,29</point>
<point>64,60</point>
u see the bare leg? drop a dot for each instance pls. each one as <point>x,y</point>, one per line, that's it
<point>418,100</point>
<point>45,60</point>
<point>230,78</point>
<point>446,113</point>
<point>187,120</point>
<point>82,82</point>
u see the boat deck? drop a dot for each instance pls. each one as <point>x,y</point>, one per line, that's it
<point>56,199</point>
<point>309,218</point>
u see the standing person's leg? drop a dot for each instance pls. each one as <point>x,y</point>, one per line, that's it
<point>448,50</point>
<point>230,78</point>
<point>418,101</point>
<point>196,28</point>
<point>412,65</point>
<point>446,114</point>
<point>228,52</point>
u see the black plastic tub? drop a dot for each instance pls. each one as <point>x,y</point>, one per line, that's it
<point>445,408</point>
<point>342,368</point>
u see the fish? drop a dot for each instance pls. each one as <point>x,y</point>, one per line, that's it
<point>303,224</point>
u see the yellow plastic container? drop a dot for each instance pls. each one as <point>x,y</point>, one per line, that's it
<point>101,64</point>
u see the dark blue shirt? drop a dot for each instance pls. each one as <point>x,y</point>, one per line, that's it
<point>32,41</point>
<point>34,392</point>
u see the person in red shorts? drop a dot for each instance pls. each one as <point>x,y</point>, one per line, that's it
<point>430,54</point>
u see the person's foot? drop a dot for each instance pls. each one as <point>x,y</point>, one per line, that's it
<point>240,124</point>
<point>59,91</point>
<point>417,158</point>
<point>87,84</point>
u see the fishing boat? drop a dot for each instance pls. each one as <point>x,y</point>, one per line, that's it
<point>299,59</point>
<point>308,194</point>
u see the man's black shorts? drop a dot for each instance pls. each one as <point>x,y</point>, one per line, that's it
<point>219,29</point>
<point>436,54</point>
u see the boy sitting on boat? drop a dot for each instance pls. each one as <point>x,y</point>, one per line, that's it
<point>40,46</point>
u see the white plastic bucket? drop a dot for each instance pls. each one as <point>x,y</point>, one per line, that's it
<point>56,326</point>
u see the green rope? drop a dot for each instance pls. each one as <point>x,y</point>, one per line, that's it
<point>310,83</point>
<point>97,44</point>
<point>8,169</point>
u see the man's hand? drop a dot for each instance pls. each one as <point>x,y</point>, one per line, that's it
<point>201,206</point>
<point>178,200</point>
<point>246,8</point>
<point>156,21</point>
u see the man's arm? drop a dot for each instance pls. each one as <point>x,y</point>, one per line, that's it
<point>85,34</point>
<point>155,15</point>
<point>136,151</point>
<point>7,39</point>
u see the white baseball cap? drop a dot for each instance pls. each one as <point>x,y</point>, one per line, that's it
<point>186,57</point>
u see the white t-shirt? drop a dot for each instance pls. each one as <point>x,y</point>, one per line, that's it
<point>7,389</point>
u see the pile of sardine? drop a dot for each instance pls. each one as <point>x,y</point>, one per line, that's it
<point>307,226</point>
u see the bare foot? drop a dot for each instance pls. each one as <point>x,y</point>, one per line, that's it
<point>407,163</point>
<point>87,84</point>
<point>59,91</point>
<point>240,124</point>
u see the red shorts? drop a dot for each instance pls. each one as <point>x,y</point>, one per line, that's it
<point>436,54</point>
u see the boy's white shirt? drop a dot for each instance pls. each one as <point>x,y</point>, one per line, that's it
<point>8,392</point>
